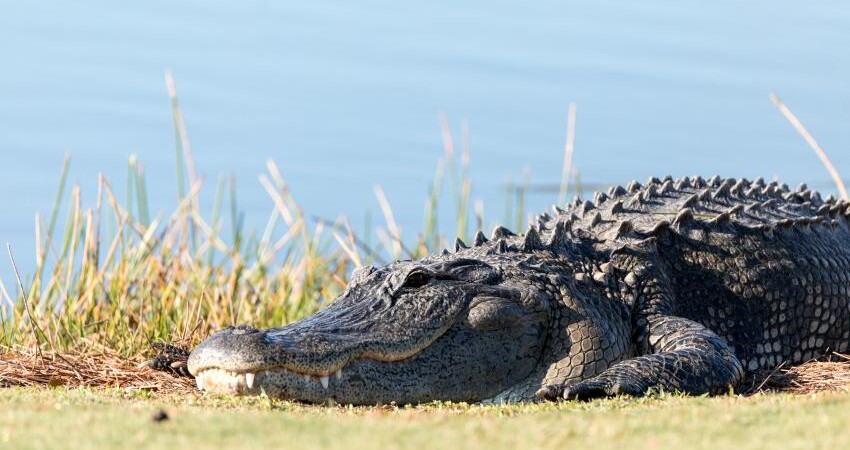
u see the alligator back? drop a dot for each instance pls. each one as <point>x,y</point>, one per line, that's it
<point>764,267</point>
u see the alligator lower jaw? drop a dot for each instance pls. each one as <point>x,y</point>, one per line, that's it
<point>219,381</point>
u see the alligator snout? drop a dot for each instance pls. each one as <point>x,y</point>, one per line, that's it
<point>229,349</point>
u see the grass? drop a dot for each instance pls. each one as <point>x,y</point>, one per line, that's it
<point>81,418</point>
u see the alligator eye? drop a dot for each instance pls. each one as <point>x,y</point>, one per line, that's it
<point>416,280</point>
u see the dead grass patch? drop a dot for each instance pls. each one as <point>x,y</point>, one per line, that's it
<point>78,369</point>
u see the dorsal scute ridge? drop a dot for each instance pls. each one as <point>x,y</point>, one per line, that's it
<point>576,201</point>
<point>460,245</point>
<point>736,210</point>
<point>697,182</point>
<point>595,220</point>
<point>558,210</point>
<point>624,228</point>
<point>682,205</point>
<point>559,236</point>
<point>500,232</point>
<point>617,191</point>
<point>531,240</point>
<point>714,181</point>
<point>666,187</point>
<point>599,198</point>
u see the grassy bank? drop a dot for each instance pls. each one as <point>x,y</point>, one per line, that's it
<point>85,419</point>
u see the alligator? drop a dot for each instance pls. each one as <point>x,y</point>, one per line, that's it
<point>684,285</point>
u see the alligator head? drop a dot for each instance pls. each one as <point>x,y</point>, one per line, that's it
<point>464,327</point>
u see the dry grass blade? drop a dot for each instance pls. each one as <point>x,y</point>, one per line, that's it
<point>36,332</point>
<point>392,228</point>
<point>180,125</point>
<point>569,147</point>
<point>795,122</point>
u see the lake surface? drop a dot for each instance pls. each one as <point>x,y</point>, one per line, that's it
<point>345,95</point>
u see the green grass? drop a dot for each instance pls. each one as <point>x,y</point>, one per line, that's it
<point>80,418</point>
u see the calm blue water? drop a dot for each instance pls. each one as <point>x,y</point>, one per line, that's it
<point>345,95</point>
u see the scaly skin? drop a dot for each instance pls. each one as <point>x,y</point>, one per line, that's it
<point>677,285</point>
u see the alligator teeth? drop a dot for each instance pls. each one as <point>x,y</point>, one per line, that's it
<point>324,379</point>
<point>306,378</point>
<point>249,380</point>
<point>199,381</point>
<point>339,374</point>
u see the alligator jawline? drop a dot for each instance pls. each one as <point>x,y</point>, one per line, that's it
<point>214,379</point>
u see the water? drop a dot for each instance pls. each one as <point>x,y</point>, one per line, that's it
<point>345,95</point>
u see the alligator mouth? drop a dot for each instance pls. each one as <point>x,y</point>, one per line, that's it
<point>283,382</point>
<point>220,381</point>
<point>349,384</point>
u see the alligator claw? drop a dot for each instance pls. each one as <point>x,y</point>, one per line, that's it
<point>149,363</point>
<point>169,358</point>
<point>581,391</point>
<point>176,365</point>
<point>587,390</point>
<point>550,393</point>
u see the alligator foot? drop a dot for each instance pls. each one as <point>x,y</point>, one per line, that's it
<point>169,358</point>
<point>589,390</point>
<point>684,357</point>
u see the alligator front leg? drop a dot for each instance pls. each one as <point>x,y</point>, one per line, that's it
<point>684,356</point>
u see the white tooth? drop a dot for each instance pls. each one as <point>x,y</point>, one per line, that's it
<point>325,381</point>
<point>306,378</point>
<point>339,373</point>
<point>249,380</point>
<point>240,380</point>
<point>199,380</point>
